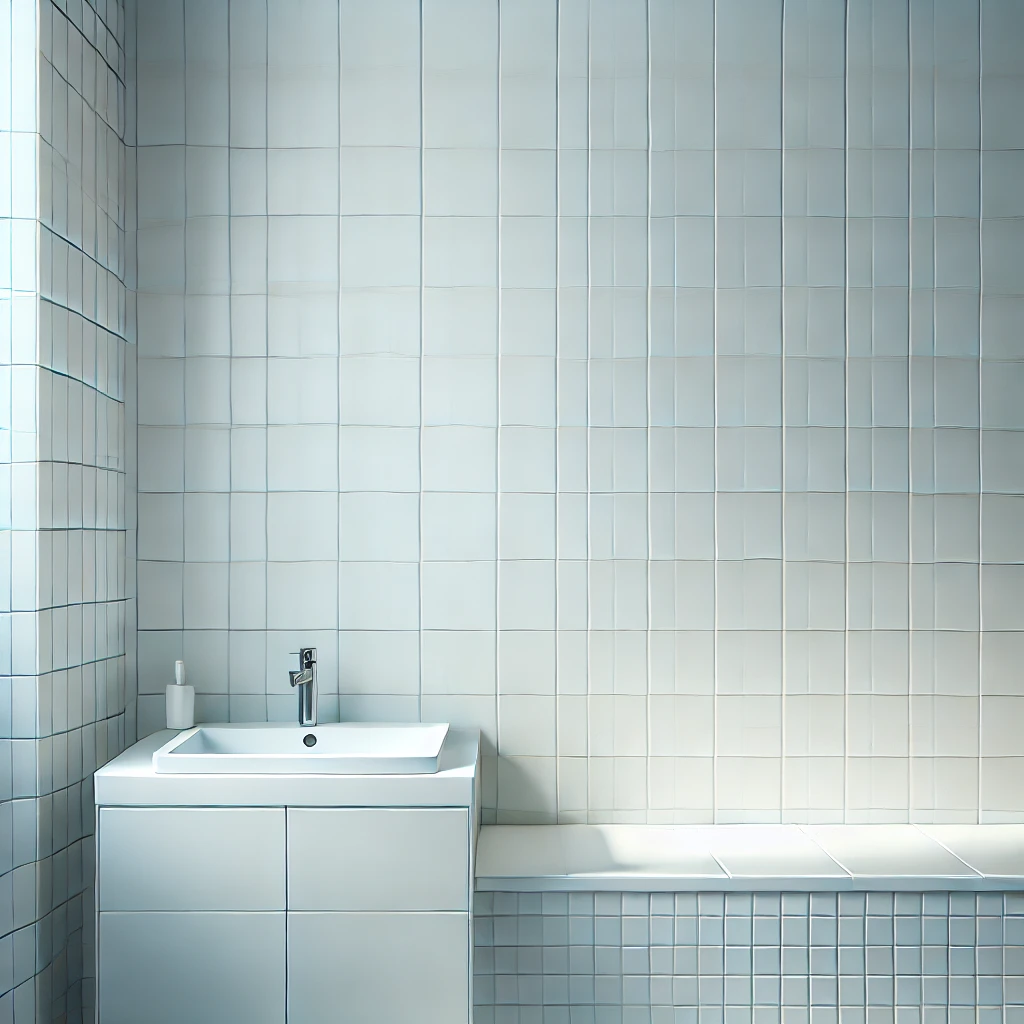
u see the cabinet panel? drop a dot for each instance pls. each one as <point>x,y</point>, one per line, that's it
<point>378,968</point>
<point>191,858</point>
<point>378,859</point>
<point>166,968</point>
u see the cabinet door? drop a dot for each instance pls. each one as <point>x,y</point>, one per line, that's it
<point>378,968</point>
<point>202,968</point>
<point>378,859</point>
<point>191,858</point>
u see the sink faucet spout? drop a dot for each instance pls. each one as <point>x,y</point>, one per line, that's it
<point>305,680</point>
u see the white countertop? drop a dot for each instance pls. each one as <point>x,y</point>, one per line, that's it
<point>745,858</point>
<point>130,780</point>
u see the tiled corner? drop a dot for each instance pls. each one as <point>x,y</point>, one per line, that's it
<point>69,614</point>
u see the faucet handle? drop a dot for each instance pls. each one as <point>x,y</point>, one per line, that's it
<point>307,657</point>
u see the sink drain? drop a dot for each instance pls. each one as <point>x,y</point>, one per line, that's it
<point>309,739</point>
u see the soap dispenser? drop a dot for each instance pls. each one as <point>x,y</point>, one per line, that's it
<point>181,700</point>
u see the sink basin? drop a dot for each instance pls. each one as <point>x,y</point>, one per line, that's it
<point>349,748</point>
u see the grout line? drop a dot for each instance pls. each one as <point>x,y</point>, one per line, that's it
<point>647,429</point>
<point>725,871</point>
<point>266,353</point>
<point>419,440</point>
<point>588,427</point>
<point>497,420</point>
<point>714,417</point>
<point>910,415</point>
<point>99,53</point>
<point>184,338</point>
<point>782,420</point>
<point>231,346</point>
<point>557,717</point>
<point>949,850</point>
<point>805,830</point>
<point>846,414</point>
<point>337,686</point>
<point>981,447</point>
<point>103,269</point>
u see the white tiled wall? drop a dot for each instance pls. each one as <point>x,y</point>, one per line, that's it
<point>65,611</point>
<point>638,381</point>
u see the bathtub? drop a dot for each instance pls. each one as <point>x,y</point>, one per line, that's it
<point>614,924</point>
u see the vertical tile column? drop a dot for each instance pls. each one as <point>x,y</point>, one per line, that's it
<point>459,442</point>
<point>814,409</point>
<point>681,463</point>
<point>246,203</point>
<point>131,388</point>
<point>160,327</point>
<point>527,476</point>
<point>748,410</point>
<point>303,377</point>
<point>878,458</point>
<point>571,470</point>
<point>945,190</point>
<point>1002,419</point>
<point>81,562</point>
<point>618,400</point>
<point>380,379</point>
<point>20,473</point>
<point>206,369</point>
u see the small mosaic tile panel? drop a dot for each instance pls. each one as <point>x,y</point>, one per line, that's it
<point>749,958</point>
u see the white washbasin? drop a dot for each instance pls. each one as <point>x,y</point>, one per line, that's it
<point>278,748</point>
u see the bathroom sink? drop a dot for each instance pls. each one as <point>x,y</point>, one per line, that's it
<point>349,748</point>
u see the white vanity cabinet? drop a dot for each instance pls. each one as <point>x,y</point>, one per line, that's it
<point>282,914</point>
<point>378,914</point>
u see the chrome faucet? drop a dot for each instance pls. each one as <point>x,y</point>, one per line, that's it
<point>305,680</point>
